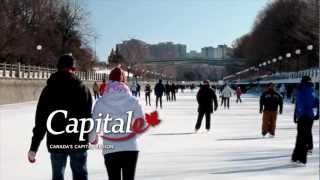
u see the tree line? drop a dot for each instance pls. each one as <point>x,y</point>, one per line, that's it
<point>280,28</point>
<point>37,32</point>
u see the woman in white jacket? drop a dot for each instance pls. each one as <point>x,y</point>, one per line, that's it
<point>226,94</point>
<point>117,102</point>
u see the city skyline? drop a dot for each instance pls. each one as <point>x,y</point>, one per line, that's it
<point>197,24</point>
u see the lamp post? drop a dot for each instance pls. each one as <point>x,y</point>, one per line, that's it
<point>280,63</point>
<point>298,52</point>
<point>309,48</point>
<point>39,48</point>
<point>288,55</point>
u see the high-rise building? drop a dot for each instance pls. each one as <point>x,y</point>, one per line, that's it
<point>133,50</point>
<point>222,52</point>
<point>168,50</point>
<point>207,52</point>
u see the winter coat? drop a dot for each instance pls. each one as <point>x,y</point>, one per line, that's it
<point>206,97</point>
<point>147,89</point>
<point>226,92</point>
<point>95,88</point>
<point>305,102</point>
<point>102,88</point>
<point>159,89</point>
<point>173,88</point>
<point>134,87</point>
<point>168,88</point>
<point>117,101</point>
<point>270,100</point>
<point>64,91</point>
<point>238,92</point>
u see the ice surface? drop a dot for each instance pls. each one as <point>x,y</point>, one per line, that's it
<point>233,149</point>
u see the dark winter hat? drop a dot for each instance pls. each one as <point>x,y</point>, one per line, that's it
<point>270,84</point>
<point>305,79</point>
<point>206,82</point>
<point>116,74</point>
<point>66,62</point>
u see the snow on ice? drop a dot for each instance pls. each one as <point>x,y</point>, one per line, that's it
<point>233,149</point>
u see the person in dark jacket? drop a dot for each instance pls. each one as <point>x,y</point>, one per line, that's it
<point>205,97</point>
<point>173,91</point>
<point>270,100</point>
<point>138,89</point>
<point>304,116</point>
<point>168,88</point>
<point>159,89</point>
<point>147,92</point>
<point>64,91</point>
<point>95,89</point>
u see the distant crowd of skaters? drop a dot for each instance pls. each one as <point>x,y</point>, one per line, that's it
<point>169,90</point>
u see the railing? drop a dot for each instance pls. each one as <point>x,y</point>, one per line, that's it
<point>289,77</point>
<point>19,71</point>
<point>313,73</point>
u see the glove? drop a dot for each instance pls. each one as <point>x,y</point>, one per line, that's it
<point>316,117</point>
<point>32,156</point>
<point>260,111</point>
<point>280,112</point>
<point>95,141</point>
<point>215,108</point>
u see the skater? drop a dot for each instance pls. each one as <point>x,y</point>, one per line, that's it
<point>239,93</point>
<point>64,91</point>
<point>95,89</point>
<point>283,90</point>
<point>173,91</point>
<point>159,89</point>
<point>103,87</point>
<point>147,92</point>
<point>270,100</point>
<point>192,87</point>
<point>138,89</point>
<point>304,117</point>
<point>120,157</point>
<point>168,87</point>
<point>134,89</point>
<point>205,97</point>
<point>226,95</point>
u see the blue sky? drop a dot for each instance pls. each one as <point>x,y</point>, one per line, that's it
<point>196,23</point>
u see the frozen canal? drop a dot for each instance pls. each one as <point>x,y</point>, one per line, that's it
<point>233,149</point>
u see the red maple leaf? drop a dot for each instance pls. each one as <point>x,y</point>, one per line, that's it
<point>153,118</point>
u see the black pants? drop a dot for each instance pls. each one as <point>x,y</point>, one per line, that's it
<point>200,117</point>
<point>148,101</point>
<point>173,96</point>
<point>222,99</point>
<point>78,163</point>
<point>96,95</point>
<point>159,98</point>
<point>168,96</point>
<point>239,99</point>
<point>304,141</point>
<point>121,164</point>
<point>226,102</point>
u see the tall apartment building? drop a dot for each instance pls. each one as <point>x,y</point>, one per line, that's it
<point>222,51</point>
<point>168,50</point>
<point>207,52</point>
